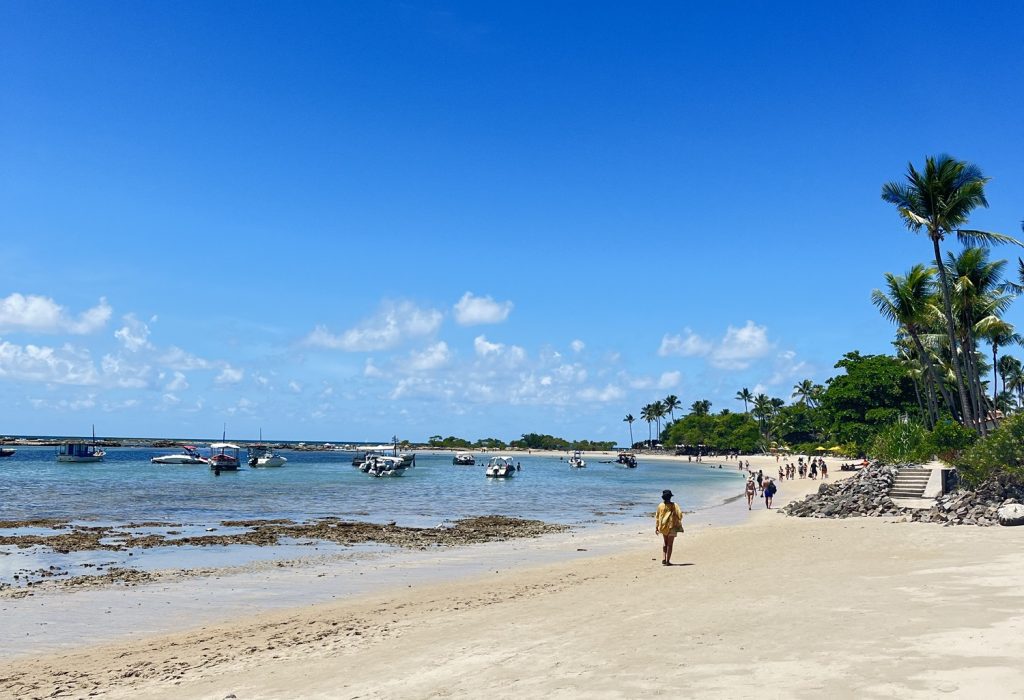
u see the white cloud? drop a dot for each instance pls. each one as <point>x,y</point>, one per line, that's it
<point>472,310</point>
<point>134,335</point>
<point>229,375</point>
<point>394,323</point>
<point>295,387</point>
<point>577,345</point>
<point>67,365</point>
<point>688,344</point>
<point>176,358</point>
<point>669,380</point>
<point>123,373</point>
<point>370,369</point>
<point>41,314</point>
<point>741,346</point>
<point>738,348</point>
<point>179,383</point>
<point>608,393</point>
<point>510,355</point>
<point>431,358</point>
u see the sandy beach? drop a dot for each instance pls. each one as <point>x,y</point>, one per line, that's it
<point>774,606</point>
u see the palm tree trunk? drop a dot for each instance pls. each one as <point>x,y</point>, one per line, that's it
<point>920,404</point>
<point>932,401</point>
<point>630,436</point>
<point>927,360</point>
<point>947,311</point>
<point>995,370</point>
<point>974,377</point>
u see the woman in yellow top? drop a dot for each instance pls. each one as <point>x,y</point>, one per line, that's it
<point>668,522</point>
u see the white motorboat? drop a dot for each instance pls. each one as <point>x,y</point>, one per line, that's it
<point>262,456</point>
<point>500,467</point>
<point>7,452</point>
<point>188,455</point>
<point>381,465</point>
<point>463,459</point>
<point>223,456</point>
<point>576,461</point>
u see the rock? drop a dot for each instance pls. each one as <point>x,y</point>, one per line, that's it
<point>1012,514</point>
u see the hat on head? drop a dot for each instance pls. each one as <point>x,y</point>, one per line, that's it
<point>666,494</point>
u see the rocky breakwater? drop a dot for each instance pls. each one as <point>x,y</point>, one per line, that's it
<point>994,502</point>
<point>862,495</point>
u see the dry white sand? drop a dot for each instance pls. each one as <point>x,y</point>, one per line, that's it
<point>775,607</point>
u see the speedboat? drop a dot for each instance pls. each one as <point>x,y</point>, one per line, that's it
<point>576,461</point>
<point>500,467</point>
<point>463,459</point>
<point>627,459</point>
<point>262,456</point>
<point>7,452</point>
<point>381,465</point>
<point>223,456</point>
<point>188,455</point>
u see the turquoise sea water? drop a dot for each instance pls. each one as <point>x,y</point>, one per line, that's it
<point>126,487</point>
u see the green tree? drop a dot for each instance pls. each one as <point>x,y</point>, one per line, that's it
<point>629,419</point>
<point>701,407</point>
<point>874,391</point>
<point>939,201</point>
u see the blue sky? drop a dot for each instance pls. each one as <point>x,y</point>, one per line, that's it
<point>351,220</point>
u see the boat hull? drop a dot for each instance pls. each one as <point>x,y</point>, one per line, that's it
<point>274,461</point>
<point>79,459</point>
<point>178,459</point>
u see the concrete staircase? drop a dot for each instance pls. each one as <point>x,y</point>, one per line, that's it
<point>910,483</point>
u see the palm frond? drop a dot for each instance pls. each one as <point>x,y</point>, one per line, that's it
<point>984,239</point>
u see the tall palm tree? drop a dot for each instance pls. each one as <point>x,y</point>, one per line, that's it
<point>647,414</point>
<point>745,396</point>
<point>998,333</point>
<point>908,304</point>
<point>672,402</point>
<point>658,412</point>
<point>1008,364</point>
<point>979,299</point>
<point>939,201</point>
<point>763,411</point>
<point>629,419</point>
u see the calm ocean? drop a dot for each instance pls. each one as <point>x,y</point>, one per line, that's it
<point>126,487</point>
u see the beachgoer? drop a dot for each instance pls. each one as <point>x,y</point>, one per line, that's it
<point>751,489</point>
<point>668,522</point>
<point>824,470</point>
<point>769,493</point>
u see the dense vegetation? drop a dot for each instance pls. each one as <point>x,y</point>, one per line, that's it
<point>533,441</point>
<point>949,386</point>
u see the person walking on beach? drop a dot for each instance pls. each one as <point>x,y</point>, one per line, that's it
<point>769,493</point>
<point>751,490</point>
<point>668,522</point>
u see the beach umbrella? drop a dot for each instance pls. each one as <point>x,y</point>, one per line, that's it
<point>819,448</point>
<point>835,448</point>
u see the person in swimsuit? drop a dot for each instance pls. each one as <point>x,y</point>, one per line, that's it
<point>751,490</point>
<point>668,522</point>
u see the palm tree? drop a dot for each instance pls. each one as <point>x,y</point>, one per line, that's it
<point>763,411</point>
<point>658,412</point>
<point>998,333</point>
<point>939,201</point>
<point>805,390</point>
<point>1008,364</point>
<point>672,402</point>
<point>629,419</point>
<point>979,299</point>
<point>908,304</point>
<point>700,408</point>
<point>647,414</point>
<point>745,396</point>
